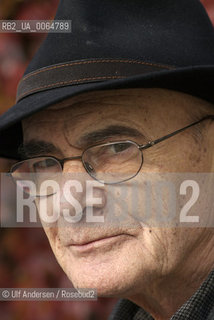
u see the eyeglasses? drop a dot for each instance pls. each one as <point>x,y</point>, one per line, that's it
<point>109,163</point>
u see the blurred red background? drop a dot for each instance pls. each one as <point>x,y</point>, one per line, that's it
<point>26,259</point>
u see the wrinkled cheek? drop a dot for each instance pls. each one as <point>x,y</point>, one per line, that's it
<point>48,215</point>
<point>49,210</point>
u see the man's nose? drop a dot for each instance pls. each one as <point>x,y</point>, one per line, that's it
<point>73,165</point>
<point>79,191</point>
<point>74,181</point>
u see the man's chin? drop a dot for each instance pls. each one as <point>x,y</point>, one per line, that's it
<point>105,283</point>
<point>103,289</point>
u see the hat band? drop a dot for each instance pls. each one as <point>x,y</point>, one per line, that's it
<point>83,71</point>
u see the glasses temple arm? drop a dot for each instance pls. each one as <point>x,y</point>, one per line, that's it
<point>152,143</point>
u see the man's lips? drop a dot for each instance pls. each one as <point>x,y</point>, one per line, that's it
<point>89,245</point>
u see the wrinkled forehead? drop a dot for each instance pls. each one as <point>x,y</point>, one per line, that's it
<point>98,103</point>
<point>94,96</point>
<point>121,104</point>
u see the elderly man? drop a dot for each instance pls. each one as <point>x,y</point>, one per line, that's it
<point>127,95</point>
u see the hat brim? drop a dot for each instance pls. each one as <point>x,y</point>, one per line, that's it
<point>196,81</point>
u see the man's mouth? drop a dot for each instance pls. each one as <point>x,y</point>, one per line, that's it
<point>90,245</point>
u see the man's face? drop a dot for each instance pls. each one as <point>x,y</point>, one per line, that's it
<point>127,259</point>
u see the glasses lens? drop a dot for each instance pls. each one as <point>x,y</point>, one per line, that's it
<point>113,162</point>
<point>30,175</point>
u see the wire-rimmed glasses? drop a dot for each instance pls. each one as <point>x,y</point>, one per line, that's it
<point>110,163</point>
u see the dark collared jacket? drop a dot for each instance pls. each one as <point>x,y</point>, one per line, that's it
<point>199,307</point>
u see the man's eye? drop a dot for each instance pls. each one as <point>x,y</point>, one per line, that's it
<point>119,147</point>
<point>44,164</point>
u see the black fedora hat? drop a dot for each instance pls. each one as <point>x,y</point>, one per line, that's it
<point>115,44</point>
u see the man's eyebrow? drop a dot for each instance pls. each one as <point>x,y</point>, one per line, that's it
<point>107,133</point>
<point>35,148</point>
